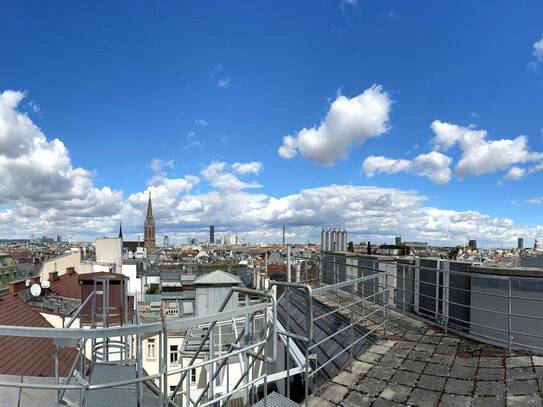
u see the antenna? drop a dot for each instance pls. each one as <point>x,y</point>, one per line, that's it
<point>35,290</point>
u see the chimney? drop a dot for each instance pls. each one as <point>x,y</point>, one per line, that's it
<point>70,270</point>
<point>16,286</point>
<point>53,276</point>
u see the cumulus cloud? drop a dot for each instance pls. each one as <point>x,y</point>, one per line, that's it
<point>480,155</point>
<point>69,203</point>
<point>222,179</point>
<point>366,212</point>
<point>253,167</point>
<point>434,165</point>
<point>157,164</point>
<point>538,50</point>
<point>515,174</point>
<point>37,172</point>
<point>347,123</point>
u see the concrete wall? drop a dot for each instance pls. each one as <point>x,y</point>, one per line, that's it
<point>60,263</point>
<point>110,250</point>
<point>134,284</point>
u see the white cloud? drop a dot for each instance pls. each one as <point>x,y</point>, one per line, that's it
<point>538,50</point>
<point>223,180</point>
<point>288,148</point>
<point>495,155</point>
<point>433,165</point>
<point>157,164</point>
<point>223,82</point>
<point>515,174</point>
<point>201,122</point>
<point>253,167</point>
<point>535,201</point>
<point>42,192</point>
<point>448,134</point>
<point>37,172</point>
<point>479,155</point>
<point>347,123</point>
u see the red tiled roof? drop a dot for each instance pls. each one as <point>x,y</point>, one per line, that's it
<point>67,286</point>
<point>28,356</point>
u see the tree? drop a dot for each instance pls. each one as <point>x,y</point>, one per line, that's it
<point>350,247</point>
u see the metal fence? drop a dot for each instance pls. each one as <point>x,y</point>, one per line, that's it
<point>501,310</point>
<point>252,348</point>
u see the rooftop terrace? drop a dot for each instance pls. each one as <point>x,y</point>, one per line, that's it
<point>420,365</point>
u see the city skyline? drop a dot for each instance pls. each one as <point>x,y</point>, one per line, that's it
<point>388,120</point>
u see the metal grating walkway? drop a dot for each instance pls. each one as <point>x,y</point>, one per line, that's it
<point>276,400</point>
<point>116,396</point>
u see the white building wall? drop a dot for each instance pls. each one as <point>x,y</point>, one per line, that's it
<point>109,250</point>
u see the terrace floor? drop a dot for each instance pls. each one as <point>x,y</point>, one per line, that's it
<point>420,365</point>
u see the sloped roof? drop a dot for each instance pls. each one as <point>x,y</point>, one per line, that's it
<point>28,356</point>
<point>217,277</point>
<point>67,286</point>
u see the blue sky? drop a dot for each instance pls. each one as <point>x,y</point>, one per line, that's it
<point>195,82</point>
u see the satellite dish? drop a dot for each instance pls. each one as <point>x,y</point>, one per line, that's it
<point>45,284</point>
<point>35,290</point>
<point>28,282</point>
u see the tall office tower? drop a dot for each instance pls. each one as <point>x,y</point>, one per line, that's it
<point>520,244</point>
<point>472,244</point>
<point>166,241</point>
<point>211,234</point>
<point>398,240</point>
<point>149,227</point>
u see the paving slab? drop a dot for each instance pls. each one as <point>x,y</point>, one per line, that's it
<point>488,401</point>
<point>424,398</point>
<point>356,399</point>
<point>370,386</point>
<point>434,383</point>
<point>396,392</point>
<point>333,392</point>
<point>455,400</point>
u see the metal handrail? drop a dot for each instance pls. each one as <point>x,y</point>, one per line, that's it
<point>213,323</point>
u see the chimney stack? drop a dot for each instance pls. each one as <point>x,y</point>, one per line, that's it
<point>53,276</point>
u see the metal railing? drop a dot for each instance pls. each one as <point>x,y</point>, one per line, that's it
<point>501,310</point>
<point>323,303</point>
<point>254,348</point>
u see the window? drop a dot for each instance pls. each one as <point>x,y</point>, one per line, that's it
<point>173,354</point>
<point>193,376</point>
<point>172,388</point>
<point>150,348</point>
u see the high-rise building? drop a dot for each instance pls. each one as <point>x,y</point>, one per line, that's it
<point>398,240</point>
<point>520,244</point>
<point>149,227</point>
<point>536,247</point>
<point>472,244</point>
<point>166,241</point>
<point>211,234</point>
<point>59,239</point>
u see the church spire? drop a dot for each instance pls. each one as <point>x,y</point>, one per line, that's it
<point>149,207</point>
<point>121,230</point>
<point>149,226</point>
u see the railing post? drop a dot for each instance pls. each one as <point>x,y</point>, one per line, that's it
<point>165,356</point>
<point>509,312</point>
<point>403,290</point>
<point>57,371</point>
<point>385,304</point>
